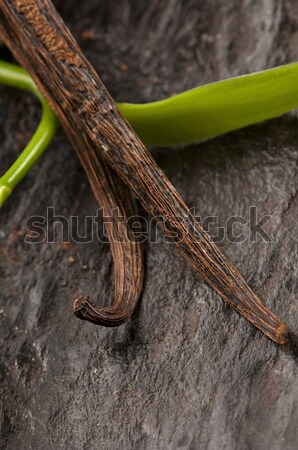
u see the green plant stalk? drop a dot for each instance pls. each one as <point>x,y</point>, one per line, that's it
<point>15,76</point>
<point>191,116</point>
<point>216,108</point>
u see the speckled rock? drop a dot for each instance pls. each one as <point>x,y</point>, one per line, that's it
<point>186,372</point>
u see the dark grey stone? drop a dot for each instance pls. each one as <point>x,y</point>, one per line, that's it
<point>186,372</point>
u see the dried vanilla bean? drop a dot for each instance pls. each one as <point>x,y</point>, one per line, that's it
<point>127,252</point>
<point>42,43</point>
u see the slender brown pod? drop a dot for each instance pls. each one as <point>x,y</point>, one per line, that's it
<point>42,43</point>
<point>116,202</point>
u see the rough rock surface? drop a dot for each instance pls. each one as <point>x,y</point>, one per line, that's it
<point>186,372</point>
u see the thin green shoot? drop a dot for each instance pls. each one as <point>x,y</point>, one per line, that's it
<point>15,76</point>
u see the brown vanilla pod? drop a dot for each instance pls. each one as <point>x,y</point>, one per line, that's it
<point>118,204</point>
<point>41,42</point>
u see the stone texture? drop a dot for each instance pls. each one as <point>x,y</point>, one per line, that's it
<point>186,372</point>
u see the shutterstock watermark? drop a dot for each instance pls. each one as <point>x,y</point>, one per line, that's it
<point>54,228</point>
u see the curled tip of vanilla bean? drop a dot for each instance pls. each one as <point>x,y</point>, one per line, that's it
<point>282,334</point>
<point>114,316</point>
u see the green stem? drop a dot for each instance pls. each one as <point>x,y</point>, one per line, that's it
<point>15,76</point>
